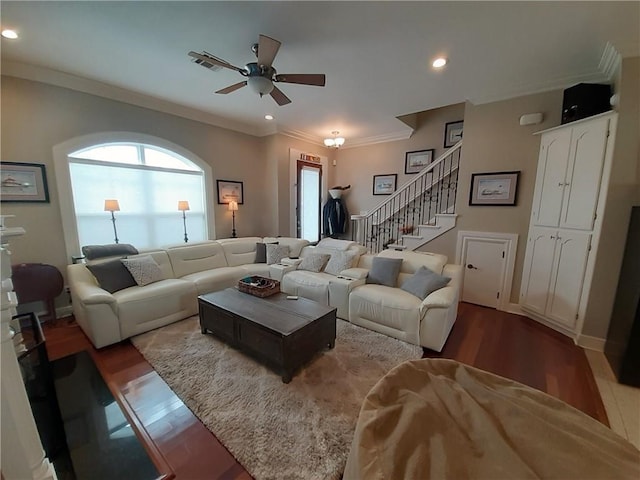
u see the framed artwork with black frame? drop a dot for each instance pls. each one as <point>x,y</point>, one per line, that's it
<point>23,182</point>
<point>415,161</point>
<point>229,190</point>
<point>384,184</point>
<point>494,188</point>
<point>452,133</point>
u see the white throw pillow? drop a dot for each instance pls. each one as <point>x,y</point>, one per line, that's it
<point>340,261</point>
<point>314,262</point>
<point>144,270</point>
<point>275,253</point>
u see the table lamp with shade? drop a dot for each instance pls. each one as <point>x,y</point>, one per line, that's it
<point>112,205</point>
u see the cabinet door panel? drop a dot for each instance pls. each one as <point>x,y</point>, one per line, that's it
<point>552,168</point>
<point>584,173</point>
<point>538,269</point>
<point>572,250</point>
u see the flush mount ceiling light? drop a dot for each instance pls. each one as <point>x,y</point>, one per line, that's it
<point>268,117</point>
<point>11,34</point>
<point>334,142</point>
<point>439,62</point>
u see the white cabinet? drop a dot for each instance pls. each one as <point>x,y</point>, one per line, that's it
<point>571,184</point>
<point>569,175</point>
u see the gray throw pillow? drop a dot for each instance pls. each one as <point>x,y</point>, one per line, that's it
<point>275,253</point>
<point>93,252</point>
<point>314,262</point>
<point>144,269</point>
<point>261,251</point>
<point>424,282</point>
<point>112,275</point>
<point>384,271</point>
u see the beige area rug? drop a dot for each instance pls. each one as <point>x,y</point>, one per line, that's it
<point>302,429</point>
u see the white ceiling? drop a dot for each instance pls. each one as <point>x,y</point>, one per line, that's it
<point>376,55</point>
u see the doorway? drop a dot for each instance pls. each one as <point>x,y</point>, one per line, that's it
<point>309,200</point>
<point>488,261</point>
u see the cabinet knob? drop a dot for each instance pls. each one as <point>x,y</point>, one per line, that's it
<point>471,267</point>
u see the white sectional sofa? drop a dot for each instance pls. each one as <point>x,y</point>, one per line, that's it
<point>187,271</point>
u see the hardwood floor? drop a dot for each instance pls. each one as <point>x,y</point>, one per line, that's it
<point>508,345</point>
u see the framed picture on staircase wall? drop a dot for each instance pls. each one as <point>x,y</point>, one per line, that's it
<point>495,188</point>
<point>452,133</point>
<point>384,184</point>
<point>415,161</point>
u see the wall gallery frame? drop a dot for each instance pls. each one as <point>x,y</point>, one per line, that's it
<point>452,133</point>
<point>229,190</point>
<point>495,188</point>
<point>415,161</point>
<point>23,182</point>
<point>384,184</point>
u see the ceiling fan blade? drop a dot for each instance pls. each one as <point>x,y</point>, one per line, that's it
<point>208,60</point>
<point>280,98</point>
<point>232,88</point>
<point>301,78</point>
<point>267,49</point>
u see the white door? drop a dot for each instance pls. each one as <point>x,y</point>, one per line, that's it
<point>572,250</point>
<point>550,181</point>
<point>584,173</point>
<point>536,278</point>
<point>483,271</point>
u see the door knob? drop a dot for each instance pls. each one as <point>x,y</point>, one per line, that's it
<point>471,267</point>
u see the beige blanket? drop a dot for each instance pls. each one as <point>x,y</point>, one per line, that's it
<point>436,418</point>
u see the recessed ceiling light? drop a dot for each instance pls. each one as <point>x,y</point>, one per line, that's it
<point>268,117</point>
<point>439,62</point>
<point>9,34</point>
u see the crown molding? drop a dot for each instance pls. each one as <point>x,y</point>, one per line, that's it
<point>610,61</point>
<point>100,89</point>
<point>384,138</point>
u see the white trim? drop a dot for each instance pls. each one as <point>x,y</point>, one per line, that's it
<point>510,244</point>
<point>591,343</point>
<point>515,309</point>
<point>62,150</point>
<point>610,61</point>
<point>294,156</point>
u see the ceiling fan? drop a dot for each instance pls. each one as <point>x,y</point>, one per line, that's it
<point>260,75</point>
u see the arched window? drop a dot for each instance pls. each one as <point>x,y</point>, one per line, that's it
<point>148,181</point>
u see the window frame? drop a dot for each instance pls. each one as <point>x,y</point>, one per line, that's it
<point>62,151</point>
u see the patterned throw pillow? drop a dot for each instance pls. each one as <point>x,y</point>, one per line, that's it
<point>314,262</point>
<point>275,253</point>
<point>144,270</point>
<point>340,261</point>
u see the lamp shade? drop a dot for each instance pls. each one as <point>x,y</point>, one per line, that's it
<point>111,205</point>
<point>233,205</point>
<point>183,205</point>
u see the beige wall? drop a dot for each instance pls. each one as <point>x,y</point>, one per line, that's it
<point>623,193</point>
<point>37,116</point>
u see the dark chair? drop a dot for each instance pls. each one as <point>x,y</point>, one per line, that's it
<point>37,282</point>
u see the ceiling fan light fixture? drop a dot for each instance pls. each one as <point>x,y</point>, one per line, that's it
<point>260,85</point>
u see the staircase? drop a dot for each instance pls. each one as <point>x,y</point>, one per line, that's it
<point>419,211</point>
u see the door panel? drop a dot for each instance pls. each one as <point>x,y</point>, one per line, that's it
<point>538,269</point>
<point>552,167</point>
<point>572,250</point>
<point>483,271</point>
<point>308,208</point>
<point>584,172</point>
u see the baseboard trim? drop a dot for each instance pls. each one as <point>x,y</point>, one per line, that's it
<point>514,308</point>
<point>591,343</point>
<point>64,311</point>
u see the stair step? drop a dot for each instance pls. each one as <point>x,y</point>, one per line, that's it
<point>430,226</point>
<point>412,237</point>
<point>396,246</point>
<point>449,215</point>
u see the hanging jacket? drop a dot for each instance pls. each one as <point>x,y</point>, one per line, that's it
<point>334,218</point>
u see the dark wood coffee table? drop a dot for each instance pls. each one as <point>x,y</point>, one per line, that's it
<point>280,333</point>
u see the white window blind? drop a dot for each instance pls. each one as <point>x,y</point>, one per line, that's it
<point>148,196</point>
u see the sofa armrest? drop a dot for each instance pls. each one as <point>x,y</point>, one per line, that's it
<point>291,261</point>
<point>92,294</point>
<point>441,298</point>
<point>355,273</point>
<point>278,270</point>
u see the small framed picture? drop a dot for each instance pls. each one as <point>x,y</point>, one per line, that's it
<point>452,133</point>
<point>498,188</point>
<point>228,191</point>
<point>384,184</point>
<point>414,162</point>
<point>23,182</point>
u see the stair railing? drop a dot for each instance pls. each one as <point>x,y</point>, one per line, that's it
<point>417,202</point>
